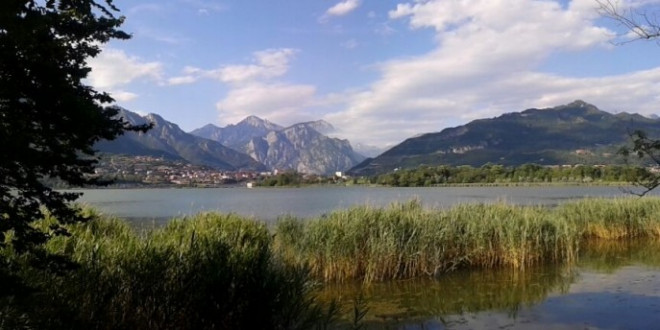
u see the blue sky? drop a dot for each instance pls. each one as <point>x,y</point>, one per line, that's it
<point>379,71</point>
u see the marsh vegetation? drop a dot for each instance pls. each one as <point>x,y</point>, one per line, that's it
<point>407,241</point>
<point>227,271</point>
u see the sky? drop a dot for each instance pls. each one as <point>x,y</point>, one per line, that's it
<point>380,71</point>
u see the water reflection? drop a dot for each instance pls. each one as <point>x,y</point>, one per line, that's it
<point>608,256</point>
<point>406,302</point>
<point>614,285</point>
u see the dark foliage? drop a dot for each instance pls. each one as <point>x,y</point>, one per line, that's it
<point>637,24</point>
<point>49,119</point>
<point>425,176</point>
<point>211,271</point>
<point>646,148</point>
<point>289,178</point>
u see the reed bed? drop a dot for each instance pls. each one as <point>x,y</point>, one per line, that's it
<point>405,241</point>
<point>618,218</point>
<point>225,271</point>
<point>211,271</point>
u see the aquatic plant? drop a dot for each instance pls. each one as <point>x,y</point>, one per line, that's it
<point>227,271</point>
<point>613,218</point>
<point>210,271</point>
<point>405,241</point>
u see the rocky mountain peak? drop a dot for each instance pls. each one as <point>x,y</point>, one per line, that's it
<point>131,117</point>
<point>167,140</point>
<point>302,147</point>
<point>320,126</point>
<point>580,107</point>
<point>209,127</point>
<point>258,123</point>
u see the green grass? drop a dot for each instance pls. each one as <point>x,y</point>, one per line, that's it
<point>225,271</point>
<point>620,218</point>
<point>210,271</point>
<point>407,241</point>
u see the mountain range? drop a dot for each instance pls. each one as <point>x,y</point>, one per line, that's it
<point>569,134</point>
<point>575,133</point>
<point>167,140</point>
<point>302,147</point>
<point>253,144</point>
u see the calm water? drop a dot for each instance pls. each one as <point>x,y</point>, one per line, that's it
<point>159,205</point>
<point>614,286</point>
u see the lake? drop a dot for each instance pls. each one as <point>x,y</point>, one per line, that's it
<point>266,204</point>
<point>614,285</point>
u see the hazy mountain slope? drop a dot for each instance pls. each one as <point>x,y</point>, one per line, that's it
<point>301,147</point>
<point>236,136</point>
<point>167,140</point>
<point>574,133</point>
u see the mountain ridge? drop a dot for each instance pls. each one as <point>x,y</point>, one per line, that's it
<point>167,140</point>
<point>302,147</point>
<point>577,132</point>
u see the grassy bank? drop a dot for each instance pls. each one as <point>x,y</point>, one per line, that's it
<point>226,271</point>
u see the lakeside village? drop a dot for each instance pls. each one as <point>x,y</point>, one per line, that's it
<point>132,171</point>
<point>147,170</point>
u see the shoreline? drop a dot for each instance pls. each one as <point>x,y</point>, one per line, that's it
<point>448,185</point>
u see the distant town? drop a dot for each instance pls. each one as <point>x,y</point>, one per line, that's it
<point>148,170</point>
<point>132,170</point>
<point>139,171</point>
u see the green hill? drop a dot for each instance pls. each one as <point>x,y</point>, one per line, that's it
<point>576,133</point>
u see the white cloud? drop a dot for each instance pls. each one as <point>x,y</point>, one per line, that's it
<point>181,80</point>
<point>340,9</point>
<point>113,68</point>
<point>484,64</point>
<point>254,88</point>
<point>123,96</point>
<point>280,103</point>
<point>343,8</point>
<point>270,63</point>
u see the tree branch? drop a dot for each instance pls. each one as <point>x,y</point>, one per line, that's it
<point>643,25</point>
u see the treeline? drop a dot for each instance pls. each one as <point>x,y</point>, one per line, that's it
<point>498,174</point>
<point>283,179</point>
<point>293,178</point>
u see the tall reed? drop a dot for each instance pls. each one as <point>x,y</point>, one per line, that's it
<point>225,271</point>
<point>210,271</point>
<point>614,218</point>
<point>404,240</point>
